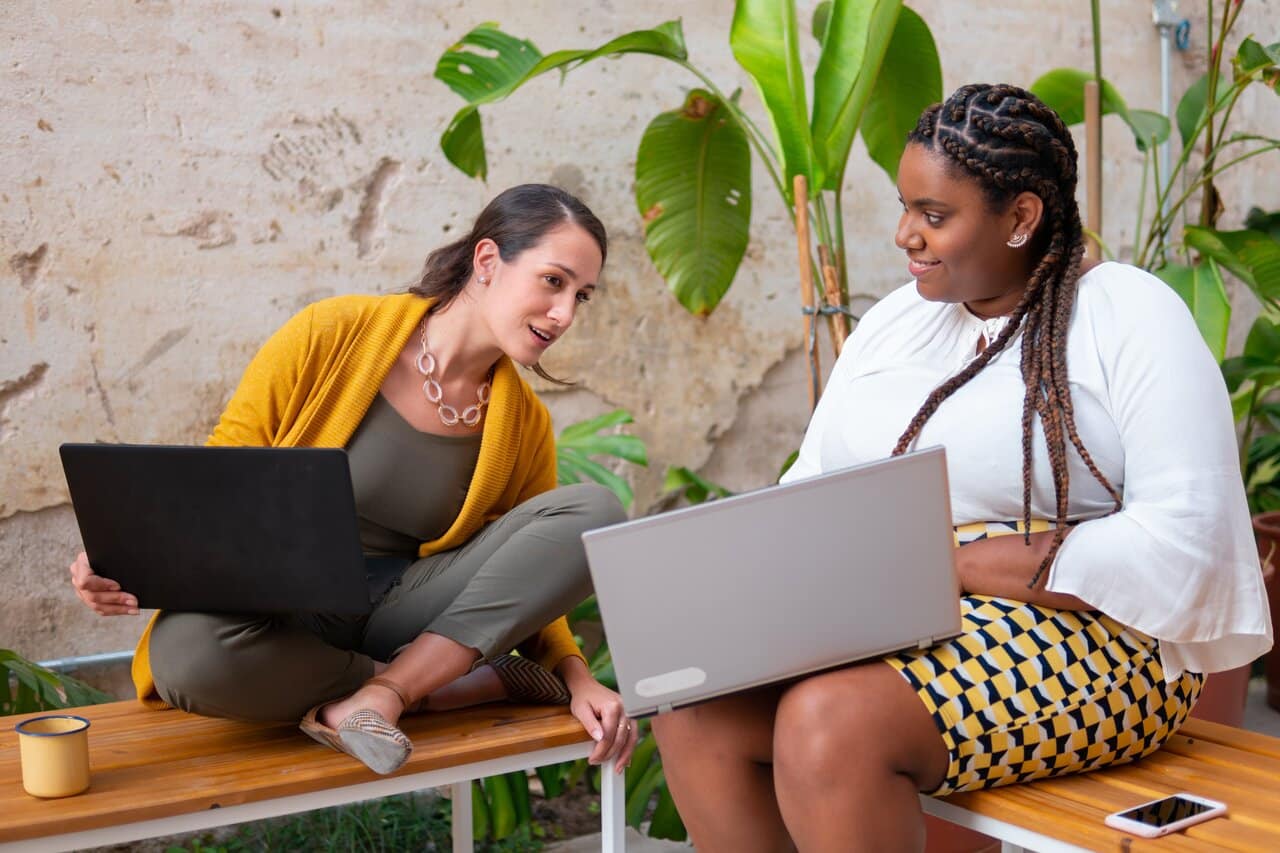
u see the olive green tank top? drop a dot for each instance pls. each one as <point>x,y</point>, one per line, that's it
<point>409,485</point>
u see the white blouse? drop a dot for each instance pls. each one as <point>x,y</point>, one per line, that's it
<point>1178,562</point>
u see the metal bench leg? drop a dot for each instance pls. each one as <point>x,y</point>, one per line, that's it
<point>613,809</point>
<point>463,841</point>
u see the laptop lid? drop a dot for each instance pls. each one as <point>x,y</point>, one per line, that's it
<point>790,579</point>
<point>231,529</point>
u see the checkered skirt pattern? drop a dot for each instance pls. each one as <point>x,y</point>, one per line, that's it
<point>1026,692</point>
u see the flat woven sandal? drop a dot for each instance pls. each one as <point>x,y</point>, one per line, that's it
<point>364,735</point>
<point>528,683</point>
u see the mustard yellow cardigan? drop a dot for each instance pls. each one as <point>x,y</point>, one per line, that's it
<point>310,386</point>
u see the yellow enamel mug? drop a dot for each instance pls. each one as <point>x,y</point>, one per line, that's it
<point>54,751</point>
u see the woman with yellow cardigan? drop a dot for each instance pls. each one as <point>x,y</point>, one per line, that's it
<point>471,550</point>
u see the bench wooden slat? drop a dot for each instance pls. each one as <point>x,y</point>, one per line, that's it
<point>1240,768</point>
<point>185,763</point>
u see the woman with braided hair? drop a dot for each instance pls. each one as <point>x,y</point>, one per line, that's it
<point>1081,411</point>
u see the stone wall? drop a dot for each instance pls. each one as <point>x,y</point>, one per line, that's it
<point>176,179</point>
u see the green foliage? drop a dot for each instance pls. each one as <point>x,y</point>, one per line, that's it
<point>416,821</point>
<point>27,687</point>
<point>877,70</point>
<point>688,485</point>
<point>486,65</point>
<point>1251,378</point>
<point>695,224</point>
<point>1202,288</point>
<point>1063,89</point>
<point>579,442</point>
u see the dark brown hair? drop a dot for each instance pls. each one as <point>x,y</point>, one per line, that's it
<point>1008,141</point>
<point>516,219</point>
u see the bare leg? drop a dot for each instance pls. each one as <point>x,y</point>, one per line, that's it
<point>425,665</point>
<point>475,688</point>
<point>852,748</point>
<point>716,758</point>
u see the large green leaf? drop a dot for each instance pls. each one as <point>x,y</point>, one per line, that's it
<point>854,42</point>
<point>487,65</point>
<point>1253,256</point>
<point>909,80</point>
<point>1063,90</point>
<point>1202,289</point>
<point>764,37</point>
<point>490,70</point>
<point>693,189</point>
<point>1149,128</point>
<point>1262,346</point>
<point>1190,109</point>
<point>666,822</point>
<point>463,143</point>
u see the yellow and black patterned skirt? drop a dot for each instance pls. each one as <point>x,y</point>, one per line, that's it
<point>1026,692</point>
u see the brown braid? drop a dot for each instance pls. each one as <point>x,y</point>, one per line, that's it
<point>1008,140</point>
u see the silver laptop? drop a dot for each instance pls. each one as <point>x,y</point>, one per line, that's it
<point>791,579</point>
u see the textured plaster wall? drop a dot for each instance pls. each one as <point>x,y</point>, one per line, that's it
<point>177,178</point>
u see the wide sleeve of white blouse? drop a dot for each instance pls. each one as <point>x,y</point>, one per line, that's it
<point>1178,562</point>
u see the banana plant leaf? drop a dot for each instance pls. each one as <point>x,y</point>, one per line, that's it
<point>764,37</point>
<point>502,808</point>
<point>638,796</point>
<point>1260,363</point>
<point>1254,256</point>
<point>552,778</point>
<point>1063,90</point>
<point>1202,289</point>
<point>693,190</point>
<point>487,65</point>
<point>855,37</point>
<point>909,80</point>
<point>666,822</point>
<point>479,811</point>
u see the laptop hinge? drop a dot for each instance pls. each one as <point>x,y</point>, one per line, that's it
<point>924,644</point>
<point>664,709</point>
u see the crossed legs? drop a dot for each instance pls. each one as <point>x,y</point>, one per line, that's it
<point>830,763</point>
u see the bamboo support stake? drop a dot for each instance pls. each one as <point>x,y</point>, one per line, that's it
<point>806,289</point>
<point>839,322</point>
<point>1093,165</point>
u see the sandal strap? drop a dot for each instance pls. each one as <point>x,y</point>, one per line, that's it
<point>393,687</point>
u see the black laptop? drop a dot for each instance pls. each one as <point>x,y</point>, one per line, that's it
<point>221,529</point>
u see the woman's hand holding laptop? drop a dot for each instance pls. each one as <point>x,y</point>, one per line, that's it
<point>103,595</point>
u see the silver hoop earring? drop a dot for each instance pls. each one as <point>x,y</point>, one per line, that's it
<point>1017,241</point>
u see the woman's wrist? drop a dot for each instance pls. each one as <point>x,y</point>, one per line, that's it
<point>573,670</point>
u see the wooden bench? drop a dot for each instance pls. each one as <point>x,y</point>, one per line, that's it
<point>1240,768</point>
<point>164,772</point>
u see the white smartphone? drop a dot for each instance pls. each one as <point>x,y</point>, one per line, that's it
<point>1163,816</point>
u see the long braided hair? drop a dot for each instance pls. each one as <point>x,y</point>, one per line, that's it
<point>1007,140</point>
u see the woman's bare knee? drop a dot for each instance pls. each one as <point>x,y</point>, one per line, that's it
<point>863,719</point>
